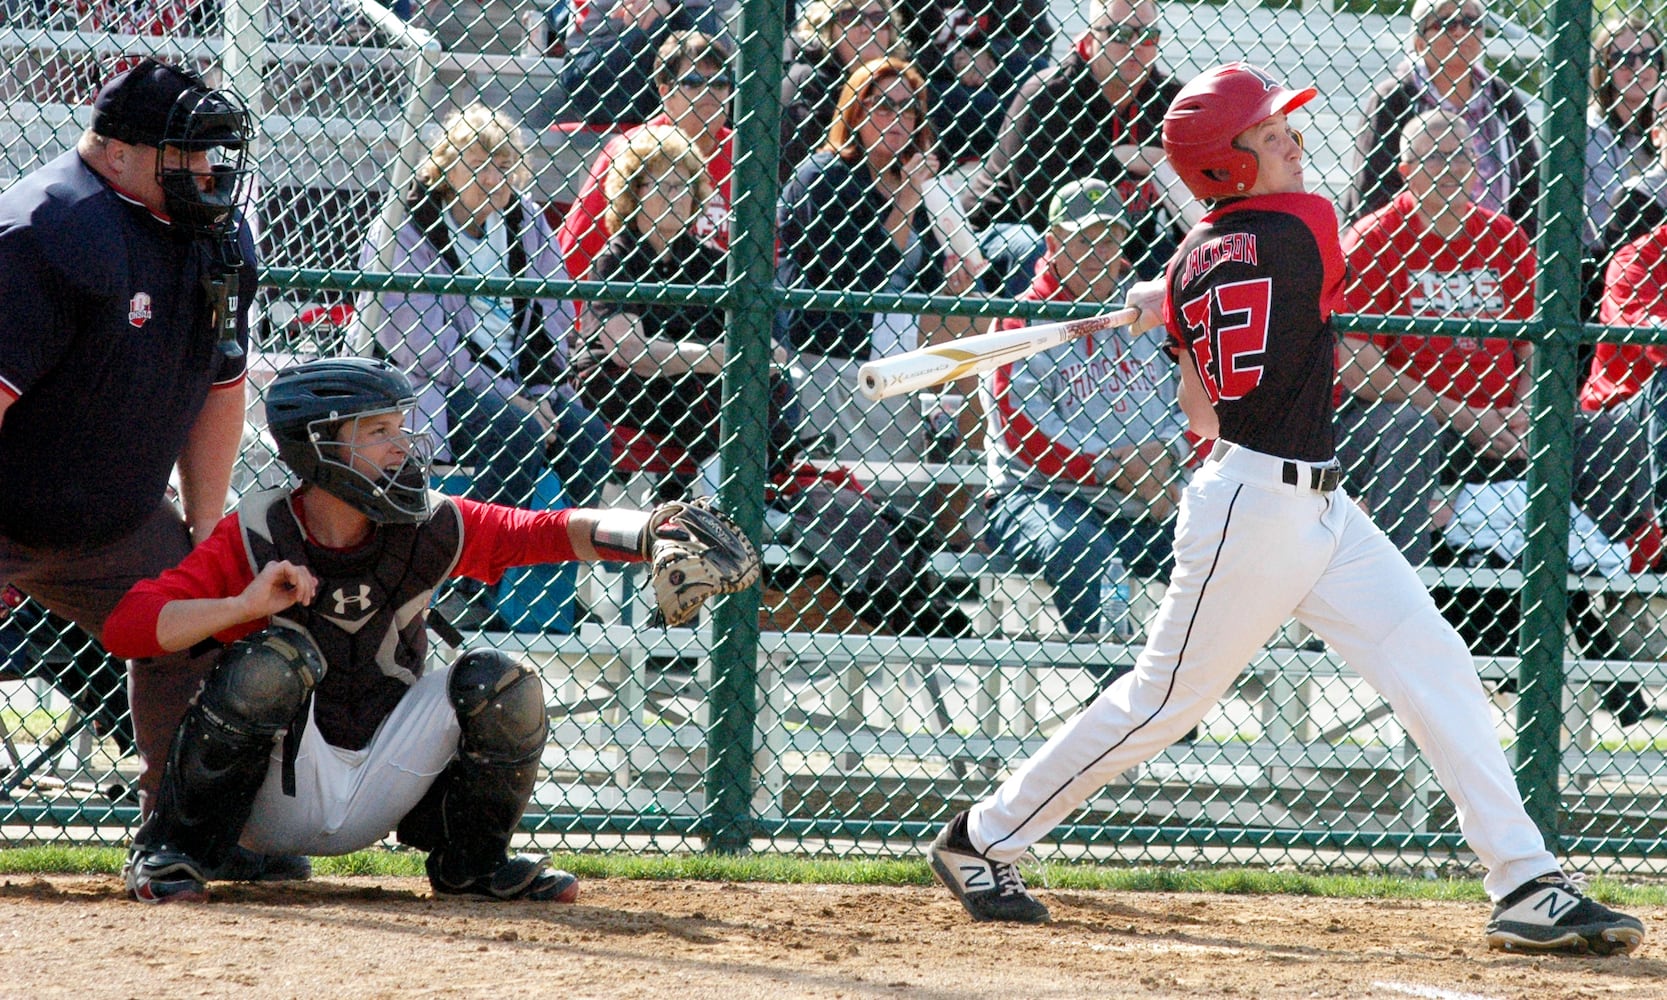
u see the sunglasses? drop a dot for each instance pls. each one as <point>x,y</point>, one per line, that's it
<point>1458,22</point>
<point>717,81</point>
<point>1130,35</point>
<point>875,19</point>
<point>1634,58</point>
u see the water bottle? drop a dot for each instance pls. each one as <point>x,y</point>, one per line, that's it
<point>1116,624</point>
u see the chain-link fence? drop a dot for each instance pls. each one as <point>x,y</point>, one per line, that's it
<point>636,249</point>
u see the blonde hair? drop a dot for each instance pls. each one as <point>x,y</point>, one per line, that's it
<point>651,151</point>
<point>819,25</point>
<point>476,126</point>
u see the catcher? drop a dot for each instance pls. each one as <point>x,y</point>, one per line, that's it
<point>319,731</point>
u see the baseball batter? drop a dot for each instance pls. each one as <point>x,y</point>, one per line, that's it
<point>1265,534</point>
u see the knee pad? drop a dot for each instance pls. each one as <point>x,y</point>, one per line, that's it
<point>218,758</point>
<point>262,681</point>
<point>500,706</point>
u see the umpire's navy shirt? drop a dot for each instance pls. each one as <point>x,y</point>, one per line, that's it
<point>105,343</point>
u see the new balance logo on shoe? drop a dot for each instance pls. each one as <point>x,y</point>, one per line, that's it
<point>1549,902</point>
<point>1550,913</point>
<point>987,889</point>
<point>976,877</point>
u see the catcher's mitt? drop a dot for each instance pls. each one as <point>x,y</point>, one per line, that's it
<point>695,551</point>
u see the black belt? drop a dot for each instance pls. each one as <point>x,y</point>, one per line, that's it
<point>1320,480</point>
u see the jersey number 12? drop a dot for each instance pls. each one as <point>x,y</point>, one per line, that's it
<point>1228,326</point>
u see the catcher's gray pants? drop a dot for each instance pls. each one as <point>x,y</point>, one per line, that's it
<point>346,800</point>
<point>84,585</point>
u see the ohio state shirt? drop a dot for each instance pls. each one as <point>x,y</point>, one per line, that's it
<point>1249,304</point>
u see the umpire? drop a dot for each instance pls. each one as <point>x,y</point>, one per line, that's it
<point>126,272</point>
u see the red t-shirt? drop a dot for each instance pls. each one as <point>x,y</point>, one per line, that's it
<point>494,539</point>
<point>1632,296</point>
<point>584,233</point>
<point>1401,268</point>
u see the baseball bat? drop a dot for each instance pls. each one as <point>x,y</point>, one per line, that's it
<point>929,366</point>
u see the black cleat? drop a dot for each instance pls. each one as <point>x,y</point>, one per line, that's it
<point>164,875</point>
<point>1550,913</point>
<point>989,890</point>
<point>243,865</point>
<point>525,876</point>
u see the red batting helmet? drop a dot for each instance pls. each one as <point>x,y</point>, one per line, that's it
<point>1209,112</point>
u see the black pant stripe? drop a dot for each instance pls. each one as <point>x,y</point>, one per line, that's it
<point>1180,663</point>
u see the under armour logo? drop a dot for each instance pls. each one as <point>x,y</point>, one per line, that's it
<point>357,602</point>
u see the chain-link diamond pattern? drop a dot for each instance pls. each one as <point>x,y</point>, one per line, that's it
<point>950,575</point>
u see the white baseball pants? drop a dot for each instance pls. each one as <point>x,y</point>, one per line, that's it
<point>1251,551</point>
<point>347,800</point>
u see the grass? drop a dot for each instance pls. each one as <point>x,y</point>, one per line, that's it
<point>32,725</point>
<point>781,869</point>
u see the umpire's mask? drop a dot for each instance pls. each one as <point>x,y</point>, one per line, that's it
<point>216,122</point>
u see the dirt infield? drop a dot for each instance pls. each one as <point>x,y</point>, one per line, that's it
<point>77,937</point>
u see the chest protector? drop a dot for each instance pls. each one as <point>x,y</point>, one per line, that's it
<point>368,617</point>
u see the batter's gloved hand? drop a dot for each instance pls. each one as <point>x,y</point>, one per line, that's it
<point>695,551</point>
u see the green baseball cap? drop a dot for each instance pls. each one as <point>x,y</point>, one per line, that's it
<point>1081,204</point>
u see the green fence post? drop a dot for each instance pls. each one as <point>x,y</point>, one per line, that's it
<point>752,243</point>
<point>1551,434</point>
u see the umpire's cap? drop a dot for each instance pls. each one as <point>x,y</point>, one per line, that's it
<point>134,107</point>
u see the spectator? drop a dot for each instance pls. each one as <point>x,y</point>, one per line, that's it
<point>114,368</point>
<point>1627,376</point>
<point>1433,251</point>
<point>1626,71</point>
<point>851,219</point>
<point>694,81</point>
<point>1020,30</point>
<point>1095,114</point>
<point>1078,431</point>
<point>1446,70</point>
<point>1641,203</point>
<point>492,370</point>
<point>974,55</point>
<point>832,39</point>
<point>608,76</point>
<point>321,729</point>
<point>659,368</point>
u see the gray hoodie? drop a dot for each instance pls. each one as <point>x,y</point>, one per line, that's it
<point>1050,415</point>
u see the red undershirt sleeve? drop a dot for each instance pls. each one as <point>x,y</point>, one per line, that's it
<point>216,568</point>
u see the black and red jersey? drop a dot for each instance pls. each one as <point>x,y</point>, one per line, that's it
<point>1250,298</point>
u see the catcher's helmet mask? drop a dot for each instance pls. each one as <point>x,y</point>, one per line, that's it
<point>1213,110</point>
<point>306,408</point>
